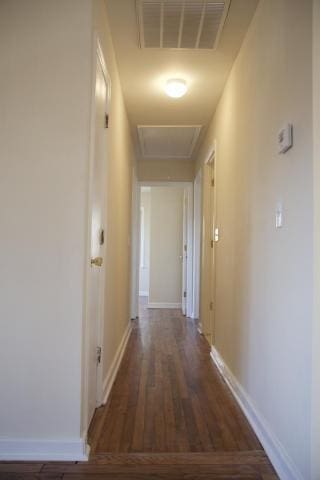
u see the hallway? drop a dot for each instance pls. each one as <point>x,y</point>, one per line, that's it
<point>169,399</point>
<point>160,232</point>
<point>168,396</point>
<point>169,415</point>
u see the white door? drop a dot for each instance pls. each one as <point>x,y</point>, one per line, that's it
<point>197,244</point>
<point>185,254</point>
<point>96,269</point>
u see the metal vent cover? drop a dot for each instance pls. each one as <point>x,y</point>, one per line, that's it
<point>168,141</point>
<point>184,24</point>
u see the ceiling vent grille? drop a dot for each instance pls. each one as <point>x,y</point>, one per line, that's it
<point>185,24</point>
<point>168,141</point>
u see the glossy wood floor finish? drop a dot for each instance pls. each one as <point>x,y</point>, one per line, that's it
<point>169,416</point>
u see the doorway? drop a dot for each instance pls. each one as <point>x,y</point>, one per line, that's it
<point>166,245</point>
<point>96,240</point>
<point>197,243</point>
<point>210,236</point>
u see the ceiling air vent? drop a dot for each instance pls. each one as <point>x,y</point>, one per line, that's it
<point>168,141</point>
<point>186,24</point>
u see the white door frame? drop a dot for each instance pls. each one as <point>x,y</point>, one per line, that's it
<point>189,188</point>
<point>184,254</point>
<point>315,391</point>
<point>197,222</point>
<point>98,57</point>
<point>211,163</point>
<point>135,245</point>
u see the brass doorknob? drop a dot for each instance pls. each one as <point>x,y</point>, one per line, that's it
<point>97,261</point>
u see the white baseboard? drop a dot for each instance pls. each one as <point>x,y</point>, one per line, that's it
<point>276,452</point>
<point>200,328</point>
<point>110,378</point>
<point>43,450</point>
<point>143,294</point>
<point>163,305</point>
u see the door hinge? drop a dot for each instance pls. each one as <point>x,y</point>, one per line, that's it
<point>211,243</point>
<point>101,237</point>
<point>212,182</point>
<point>211,306</point>
<point>185,294</point>
<point>185,248</point>
<point>106,121</point>
<point>99,351</point>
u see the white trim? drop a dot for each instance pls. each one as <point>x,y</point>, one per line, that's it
<point>184,253</point>
<point>135,244</point>
<point>28,449</point>
<point>163,305</point>
<point>276,452</point>
<point>144,293</point>
<point>142,238</point>
<point>113,370</point>
<point>166,183</point>
<point>197,227</point>
<point>189,189</point>
<point>211,154</point>
<point>189,302</point>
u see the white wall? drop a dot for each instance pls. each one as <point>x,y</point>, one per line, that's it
<point>144,270</point>
<point>166,245</point>
<point>46,62</point>
<point>315,411</point>
<point>165,170</point>
<point>45,77</point>
<point>264,275</point>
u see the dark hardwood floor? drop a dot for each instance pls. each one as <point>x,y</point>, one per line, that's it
<point>169,416</point>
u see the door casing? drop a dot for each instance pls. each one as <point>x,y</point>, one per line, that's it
<point>98,59</point>
<point>188,186</point>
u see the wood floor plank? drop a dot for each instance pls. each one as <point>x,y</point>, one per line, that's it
<point>164,476</point>
<point>26,467</point>
<point>29,476</point>
<point>202,458</point>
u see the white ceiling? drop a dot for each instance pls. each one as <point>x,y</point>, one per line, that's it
<point>143,72</point>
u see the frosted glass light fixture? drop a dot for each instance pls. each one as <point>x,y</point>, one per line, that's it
<point>176,88</point>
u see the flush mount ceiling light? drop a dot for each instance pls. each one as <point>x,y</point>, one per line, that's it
<point>176,88</point>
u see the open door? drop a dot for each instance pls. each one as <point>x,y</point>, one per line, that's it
<point>184,254</point>
<point>96,273</point>
<point>210,236</point>
<point>197,209</point>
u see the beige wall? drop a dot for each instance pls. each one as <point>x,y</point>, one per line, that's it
<point>44,148</point>
<point>145,250</point>
<point>47,58</point>
<point>119,193</point>
<point>264,275</point>
<point>166,245</point>
<point>315,420</point>
<point>165,170</point>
